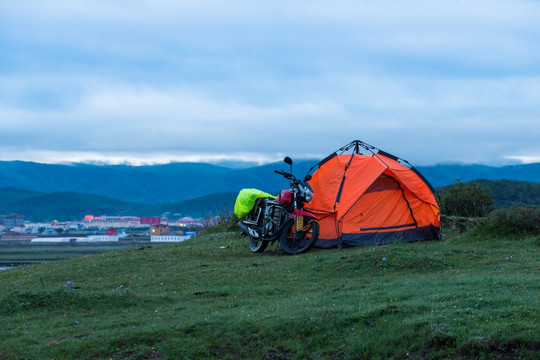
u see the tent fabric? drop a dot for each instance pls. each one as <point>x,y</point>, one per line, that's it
<point>246,200</point>
<point>372,199</point>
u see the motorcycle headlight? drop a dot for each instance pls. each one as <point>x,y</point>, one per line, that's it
<point>308,194</point>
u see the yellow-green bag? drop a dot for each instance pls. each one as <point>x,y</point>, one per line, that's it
<point>246,200</point>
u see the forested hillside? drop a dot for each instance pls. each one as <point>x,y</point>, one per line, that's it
<point>507,192</point>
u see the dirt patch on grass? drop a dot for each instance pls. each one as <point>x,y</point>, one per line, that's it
<point>278,353</point>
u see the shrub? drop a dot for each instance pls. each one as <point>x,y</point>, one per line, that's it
<point>516,220</point>
<point>225,222</point>
<point>459,224</point>
<point>466,199</point>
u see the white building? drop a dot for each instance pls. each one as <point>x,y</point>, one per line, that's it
<point>75,239</point>
<point>35,227</point>
<point>169,238</point>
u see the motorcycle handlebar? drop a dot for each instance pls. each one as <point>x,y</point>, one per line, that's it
<point>284,174</point>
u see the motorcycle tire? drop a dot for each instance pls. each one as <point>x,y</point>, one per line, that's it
<point>256,245</point>
<point>293,242</point>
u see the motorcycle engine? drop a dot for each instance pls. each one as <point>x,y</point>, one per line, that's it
<point>273,219</point>
<point>270,228</point>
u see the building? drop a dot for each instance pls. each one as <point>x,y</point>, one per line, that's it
<point>16,236</point>
<point>106,222</point>
<point>169,238</point>
<point>159,229</point>
<point>11,220</point>
<point>35,228</point>
<point>150,220</point>
<point>187,222</point>
<point>77,238</point>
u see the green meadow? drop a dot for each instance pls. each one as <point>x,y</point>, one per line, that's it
<point>468,296</point>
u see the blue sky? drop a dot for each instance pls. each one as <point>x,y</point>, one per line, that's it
<point>158,81</point>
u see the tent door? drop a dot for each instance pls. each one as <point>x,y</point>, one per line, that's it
<point>381,209</point>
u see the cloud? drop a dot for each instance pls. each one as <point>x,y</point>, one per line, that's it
<point>146,80</point>
<point>142,119</point>
<point>114,117</point>
<point>525,159</point>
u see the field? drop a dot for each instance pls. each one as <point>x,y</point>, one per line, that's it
<point>467,296</point>
<point>16,254</point>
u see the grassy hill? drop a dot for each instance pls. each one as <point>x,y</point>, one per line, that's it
<point>507,192</point>
<point>460,298</point>
<point>203,206</point>
<point>60,205</point>
<point>40,206</point>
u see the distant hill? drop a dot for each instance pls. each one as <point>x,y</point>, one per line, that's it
<point>58,205</point>
<point>143,184</point>
<point>146,184</point>
<point>38,206</point>
<point>441,175</point>
<point>507,192</point>
<point>171,183</point>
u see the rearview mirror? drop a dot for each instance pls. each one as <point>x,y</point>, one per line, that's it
<point>288,160</point>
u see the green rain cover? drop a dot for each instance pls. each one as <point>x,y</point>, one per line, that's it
<point>246,200</point>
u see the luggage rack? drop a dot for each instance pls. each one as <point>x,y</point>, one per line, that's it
<point>249,218</point>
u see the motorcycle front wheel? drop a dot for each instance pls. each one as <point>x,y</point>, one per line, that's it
<point>257,245</point>
<point>295,242</point>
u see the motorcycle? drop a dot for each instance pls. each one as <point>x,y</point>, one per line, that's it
<point>283,218</point>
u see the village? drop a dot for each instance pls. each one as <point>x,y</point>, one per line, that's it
<point>14,229</point>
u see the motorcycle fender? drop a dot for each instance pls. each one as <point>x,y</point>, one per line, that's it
<point>299,212</point>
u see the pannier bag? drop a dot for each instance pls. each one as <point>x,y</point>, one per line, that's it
<point>246,200</point>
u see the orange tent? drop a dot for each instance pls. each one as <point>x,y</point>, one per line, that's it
<point>368,199</point>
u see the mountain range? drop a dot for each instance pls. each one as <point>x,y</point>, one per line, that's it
<point>175,182</point>
<point>193,189</point>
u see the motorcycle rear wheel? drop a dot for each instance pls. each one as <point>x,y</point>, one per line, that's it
<point>293,242</point>
<point>257,245</point>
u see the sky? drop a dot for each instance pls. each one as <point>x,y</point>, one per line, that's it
<point>157,81</point>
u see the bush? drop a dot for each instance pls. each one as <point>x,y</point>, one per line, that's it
<point>519,219</point>
<point>459,224</point>
<point>469,200</point>
<point>225,222</point>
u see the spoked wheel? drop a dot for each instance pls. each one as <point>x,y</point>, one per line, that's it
<point>297,242</point>
<point>257,245</point>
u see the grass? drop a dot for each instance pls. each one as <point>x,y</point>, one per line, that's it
<point>467,296</point>
<point>37,253</point>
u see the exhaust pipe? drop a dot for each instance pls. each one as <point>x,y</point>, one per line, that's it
<point>246,230</point>
<point>243,227</point>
